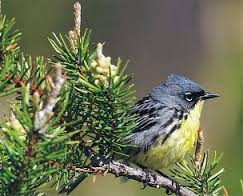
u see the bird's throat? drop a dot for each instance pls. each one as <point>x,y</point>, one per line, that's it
<point>195,113</point>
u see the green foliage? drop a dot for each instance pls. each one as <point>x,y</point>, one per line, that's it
<point>100,111</point>
<point>32,135</point>
<point>201,179</point>
<point>33,71</point>
<point>27,144</point>
<point>73,55</point>
<point>85,112</point>
<point>8,53</point>
<point>16,69</point>
<point>8,37</point>
<point>19,70</point>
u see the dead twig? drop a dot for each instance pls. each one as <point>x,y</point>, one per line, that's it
<point>199,147</point>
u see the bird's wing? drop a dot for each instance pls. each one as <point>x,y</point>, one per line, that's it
<point>153,120</point>
<point>146,112</point>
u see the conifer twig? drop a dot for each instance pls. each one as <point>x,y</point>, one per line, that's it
<point>77,15</point>
<point>199,147</point>
<point>75,33</point>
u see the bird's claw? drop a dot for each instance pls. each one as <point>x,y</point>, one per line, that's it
<point>173,182</point>
<point>147,178</point>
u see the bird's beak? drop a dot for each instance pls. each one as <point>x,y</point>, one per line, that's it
<point>209,95</point>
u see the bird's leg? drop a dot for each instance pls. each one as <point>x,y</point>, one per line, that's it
<point>173,182</point>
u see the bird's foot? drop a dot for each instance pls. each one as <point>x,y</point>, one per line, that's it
<point>147,177</point>
<point>173,182</point>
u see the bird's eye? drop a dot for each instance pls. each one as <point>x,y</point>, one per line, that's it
<point>189,96</point>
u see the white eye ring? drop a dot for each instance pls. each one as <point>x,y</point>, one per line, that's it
<point>188,96</point>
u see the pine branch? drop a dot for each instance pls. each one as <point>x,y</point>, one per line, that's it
<point>30,137</point>
<point>42,116</point>
<point>121,170</point>
<point>150,179</point>
<point>100,166</point>
<point>201,179</point>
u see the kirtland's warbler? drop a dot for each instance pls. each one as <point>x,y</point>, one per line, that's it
<point>168,120</point>
<point>167,125</point>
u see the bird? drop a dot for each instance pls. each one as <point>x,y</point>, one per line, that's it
<point>167,123</point>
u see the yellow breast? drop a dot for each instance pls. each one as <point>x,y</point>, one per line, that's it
<point>181,141</point>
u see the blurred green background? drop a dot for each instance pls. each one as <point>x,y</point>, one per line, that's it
<point>200,39</point>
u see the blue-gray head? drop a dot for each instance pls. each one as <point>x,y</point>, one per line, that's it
<point>180,92</point>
